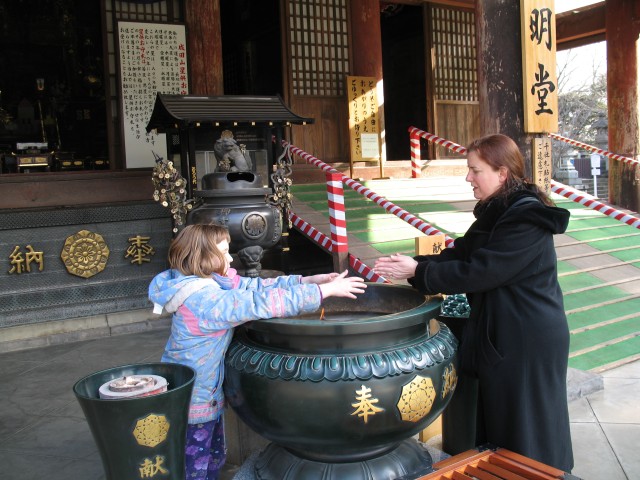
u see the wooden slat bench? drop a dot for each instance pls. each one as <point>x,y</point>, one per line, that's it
<point>494,464</point>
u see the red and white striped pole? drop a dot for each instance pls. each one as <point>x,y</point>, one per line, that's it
<point>338,221</point>
<point>414,142</point>
<point>390,207</point>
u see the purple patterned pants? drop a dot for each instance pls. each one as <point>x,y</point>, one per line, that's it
<point>205,451</point>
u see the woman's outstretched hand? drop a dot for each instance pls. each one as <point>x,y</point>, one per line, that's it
<point>396,267</point>
<point>342,286</point>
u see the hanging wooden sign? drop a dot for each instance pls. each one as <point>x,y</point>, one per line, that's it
<point>363,118</point>
<point>540,83</point>
<point>542,163</point>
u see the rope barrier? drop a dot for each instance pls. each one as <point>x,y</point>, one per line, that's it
<point>327,244</point>
<point>389,206</point>
<point>430,137</point>
<point>597,150</point>
<point>365,270</point>
<point>361,268</point>
<point>568,192</point>
<point>590,202</point>
<point>316,235</point>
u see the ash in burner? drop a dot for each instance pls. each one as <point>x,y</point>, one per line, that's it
<point>134,383</point>
<point>133,386</point>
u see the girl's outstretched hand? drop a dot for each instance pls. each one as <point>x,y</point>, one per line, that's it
<point>320,278</point>
<point>342,286</point>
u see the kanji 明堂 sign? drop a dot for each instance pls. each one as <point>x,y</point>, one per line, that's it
<point>539,77</point>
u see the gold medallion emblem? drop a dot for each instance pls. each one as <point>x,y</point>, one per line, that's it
<point>151,430</point>
<point>416,399</point>
<point>449,380</point>
<point>85,254</point>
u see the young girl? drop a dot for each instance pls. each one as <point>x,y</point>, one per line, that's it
<point>207,300</point>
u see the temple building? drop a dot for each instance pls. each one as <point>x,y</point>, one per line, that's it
<point>80,232</point>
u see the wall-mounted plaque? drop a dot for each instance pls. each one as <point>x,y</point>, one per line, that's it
<point>153,58</point>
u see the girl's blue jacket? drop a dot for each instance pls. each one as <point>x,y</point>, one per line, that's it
<point>205,310</point>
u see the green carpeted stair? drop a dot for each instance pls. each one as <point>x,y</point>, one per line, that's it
<point>602,308</point>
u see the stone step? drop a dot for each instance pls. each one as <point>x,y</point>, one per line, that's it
<point>602,184</point>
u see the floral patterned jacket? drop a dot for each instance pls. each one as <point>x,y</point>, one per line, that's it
<point>205,310</point>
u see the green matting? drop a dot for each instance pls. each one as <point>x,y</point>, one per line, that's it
<point>606,355</point>
<point>565,267</point>
<point>604,334</point>
<point>388,234</point>
<point>592,297</point>
<point>578,280</point>
<point>604,313</point>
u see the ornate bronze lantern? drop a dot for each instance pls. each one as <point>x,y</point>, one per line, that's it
<point>237,200</point>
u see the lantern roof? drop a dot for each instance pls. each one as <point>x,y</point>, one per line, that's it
<point>184,111</point>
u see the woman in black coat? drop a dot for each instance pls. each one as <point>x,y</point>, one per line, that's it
<point>516,341</point>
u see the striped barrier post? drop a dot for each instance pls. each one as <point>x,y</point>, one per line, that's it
<point>325,242</point>
<point>390,207</point>
<point>337,217</point>
<point>337,221</point>
<point>597,150</point>
<point>414,142</point>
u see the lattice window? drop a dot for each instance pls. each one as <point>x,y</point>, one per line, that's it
<point>143,12</point>
<point>454,72</point>
<point>319,46</point>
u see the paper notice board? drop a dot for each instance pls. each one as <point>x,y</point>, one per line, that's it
<point>153,58</point>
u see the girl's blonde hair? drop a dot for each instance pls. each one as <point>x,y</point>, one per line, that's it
<point>194,251</point>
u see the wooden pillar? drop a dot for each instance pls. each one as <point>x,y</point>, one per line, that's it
<point>366,38</point>
<point>366,50</point>
<point>204,46</point>
<point>623,53</point>
<point>500,72</point>
<point>429,68</point>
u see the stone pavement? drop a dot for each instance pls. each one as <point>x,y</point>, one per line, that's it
<point>44,435</point>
